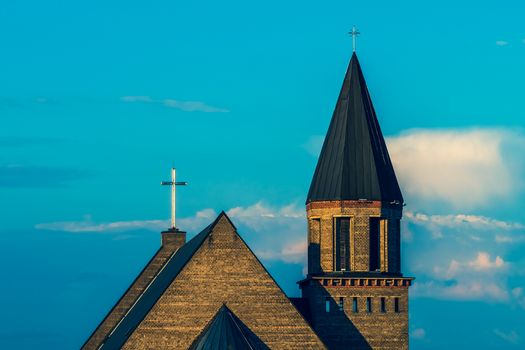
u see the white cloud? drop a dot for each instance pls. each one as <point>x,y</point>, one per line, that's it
<point>511,337</point>
<point>503,239</point>
<point>199,221</point>
<point>518,296</point>
<point>457,270</point>
<point>186,106</point>
<point>499,238</point>
<point>462,168</point>
<point>296,249</point>
<point>482,279</point>
<point>465,264</point>
<point>517,292</point>
<point>193,106</point>
<point>90,226</point>
<point>136,99</point>
<point>314,144</point>
<point>260,216</point>
<point>466,168</point>
<point>454,256</point>
<point>418,333</point>
<point>501,43</point>
<point>461,227</point>
<point>462,220</point>
<point>274,232</point>
<point>445,268</point>
<point>294,252</point>
<point>261,211</point>
<point>461,290</point>
<point>483,262</point>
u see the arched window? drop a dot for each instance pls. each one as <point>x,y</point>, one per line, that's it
<point>396,304</point>
<point>342,244</point>
<point>375,243</point>
<point>355,307</point>
<point>368,304</point>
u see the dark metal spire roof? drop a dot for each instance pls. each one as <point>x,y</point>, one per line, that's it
<point>354,161</point>
<point>227,332</point>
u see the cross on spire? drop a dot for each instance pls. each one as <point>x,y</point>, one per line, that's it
<point>173,183</point>
<point>354,33</point>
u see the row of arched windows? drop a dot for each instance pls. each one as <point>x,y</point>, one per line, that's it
<point>343,244</point>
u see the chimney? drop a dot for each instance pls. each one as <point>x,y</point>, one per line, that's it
<point>173,239</point>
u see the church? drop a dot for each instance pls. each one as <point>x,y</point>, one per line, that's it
<point>212,292</point>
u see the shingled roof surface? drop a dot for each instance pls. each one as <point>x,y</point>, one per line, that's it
<point>160,283</point>
<point>128,298</point>
<point>354,162</point>
<point>178,308</point>
<point>227,332</point>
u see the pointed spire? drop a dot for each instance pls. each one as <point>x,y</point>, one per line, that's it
<point>354,162</point>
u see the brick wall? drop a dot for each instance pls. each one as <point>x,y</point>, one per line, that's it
<point>345,329</point>
<point>321,216</point>
<point>223,270</point>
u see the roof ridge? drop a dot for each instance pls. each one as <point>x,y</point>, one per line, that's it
<point>179,260</point>
<point>153,258</point>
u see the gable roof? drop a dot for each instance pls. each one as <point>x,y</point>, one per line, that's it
<point>129,297</point>
<point>227,332</point>
<point>251,292</point>
<point>155,289</point>
<point>354,162</point>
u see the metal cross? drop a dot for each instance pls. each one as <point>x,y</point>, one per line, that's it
<point>173,183</point>
<point>354,33</point>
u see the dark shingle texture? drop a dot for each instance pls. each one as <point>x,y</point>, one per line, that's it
<point>227,332</point>
<point>152,293</point>
<point>354,162</point>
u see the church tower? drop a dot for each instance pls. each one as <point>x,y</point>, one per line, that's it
<point>357,295</point>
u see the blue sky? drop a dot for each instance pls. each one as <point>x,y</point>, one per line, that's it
<point>98,99</point>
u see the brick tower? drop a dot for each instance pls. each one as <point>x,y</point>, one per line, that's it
<point>357,295</point>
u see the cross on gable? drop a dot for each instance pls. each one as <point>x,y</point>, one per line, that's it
<point>173,183</point>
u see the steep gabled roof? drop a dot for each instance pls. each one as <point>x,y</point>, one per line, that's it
<point>129,297</point>
<point>354,162</point>
<point>227,332</point>
<point>153,292</point>
<point>216,265</point>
